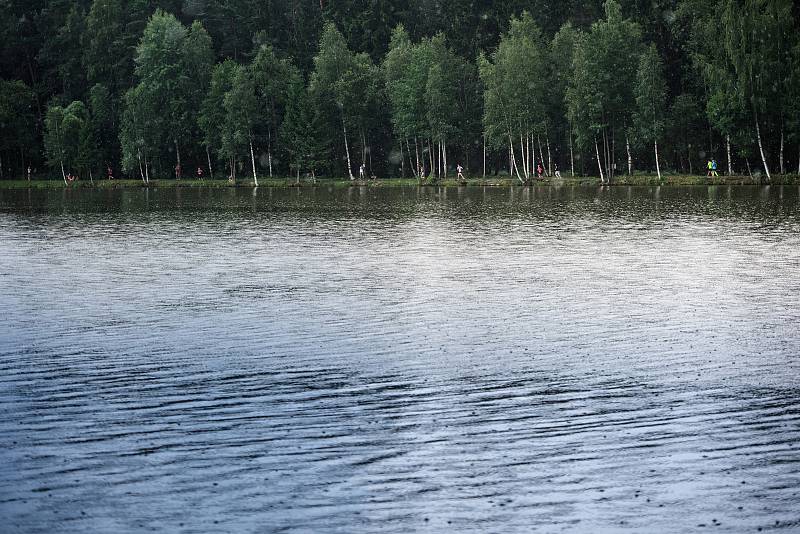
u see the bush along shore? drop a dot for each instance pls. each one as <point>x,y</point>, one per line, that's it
<point>489,181</point>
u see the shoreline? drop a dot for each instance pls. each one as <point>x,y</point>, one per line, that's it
<point>634,180</point>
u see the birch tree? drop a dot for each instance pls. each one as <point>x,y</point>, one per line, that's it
<point>515,92</point>
<point>651,96</point>
<point>241,117</point>
<point>328,80</point>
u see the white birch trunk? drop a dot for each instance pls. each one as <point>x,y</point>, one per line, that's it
<point>430,157</point>
<point>402,161</point>
<point>630,159</point>
<point>658,167</point>
<point>781,153</point>
<point>416,152</point>
<point>210,169</point>
<point>761,150</point>
<point>514,158</point>
<point>444,153</point>
<point>571,155</point>
<point>269,151</point>
<point>63,174</point>
<point>525,165</point>
<point>347,151</point>
<point>141,171</point>
<point>549,158</point>
<point>599,163</point>
<point>484,156</point>
<point>728,149</point>
<point>253,161</point>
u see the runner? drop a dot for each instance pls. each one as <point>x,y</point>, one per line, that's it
<point>362,172</point>
<point>178,171</point>
<point>199,173</point>
<point>556,171</point>
<point>714,167</point>
<point>460,170</point>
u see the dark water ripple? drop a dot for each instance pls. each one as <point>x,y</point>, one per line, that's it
<point>576,360</point>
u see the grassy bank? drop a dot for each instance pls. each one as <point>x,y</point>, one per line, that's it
<point>502,181</point>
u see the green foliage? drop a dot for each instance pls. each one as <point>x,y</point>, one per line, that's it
<point>17,122</point>
<point>65,131</point>
<point>448,71</point>
<point>651,96</point>
<point>173,65</point>
<point>515,88</point>
<point>241,107</point>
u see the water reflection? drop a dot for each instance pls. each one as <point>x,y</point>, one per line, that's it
<point>384,360</point>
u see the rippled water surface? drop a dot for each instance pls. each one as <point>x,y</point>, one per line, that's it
<point>375,360</point>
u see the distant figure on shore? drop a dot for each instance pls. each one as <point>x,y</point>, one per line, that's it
<point>709,168</point>
<point>29,173</point>
<point>556,171</point>
<point>199,173</point>
<point>460,170</point>
<point>71,178</point>
<point>539,170</point>
<point>362,172</point>
<point>421,170</point>
<point>714,167</point>
<point>178,171</point>
<point>110,172</point>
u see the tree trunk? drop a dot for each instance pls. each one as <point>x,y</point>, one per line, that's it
<point>402,161</point>
<point>549,158</point>
<point>416,152</point>
<point>484,156</point>
<point>749,170</point>
<point>525,163</point>
<point>63,174</point>
<point>178,156</point>
<point>571,155</point>
<point>146,169</point>
<point>541,152</point>
<point>347,151</point>
<point>599,163</point>
<point>781,152</point>
<point>444,154</point>
<point>628,150</point>
<point>269,150</point>
<point>761,150</point>
<point>253,161</point>
<point>513,157</point>
<point>689,158</point>
<point>91,178</point>
<point>363,146</point>
<point>606,153</point>
<point>658,167</point>
<point>430,157</point>
<point>728,149</point>
<point>210,170</point>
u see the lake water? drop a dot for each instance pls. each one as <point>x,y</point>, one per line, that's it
<point>399,360</point>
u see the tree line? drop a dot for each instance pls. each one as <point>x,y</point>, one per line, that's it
<point>242,88</point>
